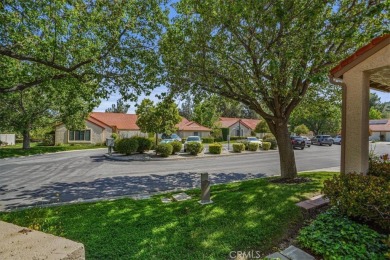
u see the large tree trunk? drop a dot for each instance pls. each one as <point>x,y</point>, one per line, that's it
<point>288,167</point>
<point>26,138</point>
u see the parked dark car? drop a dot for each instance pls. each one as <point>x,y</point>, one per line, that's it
<point>298,142</point>
<point>322,139</point>
<point>307,141</point>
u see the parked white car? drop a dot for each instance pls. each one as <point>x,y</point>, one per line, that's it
<point>253,139</point>
<point>337,139</point>
<point>190,139</point>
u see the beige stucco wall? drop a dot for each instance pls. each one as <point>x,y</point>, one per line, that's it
<point>98,134</point>
<point>130,133</point>
<point>245,131</point>
<point>356,107</point>
<point>185,134</point>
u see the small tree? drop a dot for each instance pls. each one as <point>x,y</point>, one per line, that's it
<point>160,118</point>
<point>374,113</point>
<point>120,107</point>
<point>262,127</point>
<point>301,129</point>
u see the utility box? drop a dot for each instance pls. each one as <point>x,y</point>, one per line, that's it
<point>110,142</point>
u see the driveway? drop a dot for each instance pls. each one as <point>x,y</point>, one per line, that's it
<point>87,175</point>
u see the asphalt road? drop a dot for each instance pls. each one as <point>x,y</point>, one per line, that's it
<point>87,175</point>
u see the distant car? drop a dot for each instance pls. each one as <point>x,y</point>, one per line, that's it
<point>172,136</point>
<point>298,142</point>
<point>253,139</point>
<point>167,141</point>
<point>191,139</point>
<point>322,139</point>
<point>307,141</point>
<point>337,139</point>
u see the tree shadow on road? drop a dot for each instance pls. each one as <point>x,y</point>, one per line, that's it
<point>111,187</point>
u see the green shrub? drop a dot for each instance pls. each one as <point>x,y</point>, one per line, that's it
<point>48,140</point>
<point>253,146</point>
<point>273,142</point>
<point>360,196</point>
<point>208,140</point>
<point>337,237</point>
<point>183,140</point>
<point>380,167</point>
<point>266,146</point>
<point>219,139</point>
<point>234,138</point>
<point>215,148</point>
<point>164,150</point>
<point>144,144</point>
<point>194,148</point>
<point>238,147</point>
<point>126,146</point>
<point>115,136</point>
<point>177,145</point>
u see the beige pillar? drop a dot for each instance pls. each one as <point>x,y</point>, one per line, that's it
<point>354,156</point>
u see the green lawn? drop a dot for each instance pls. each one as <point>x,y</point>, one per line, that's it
<point>16,150</point>
<point>246,215</point>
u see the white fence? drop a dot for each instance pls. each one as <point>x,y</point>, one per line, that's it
<point>8,138</point>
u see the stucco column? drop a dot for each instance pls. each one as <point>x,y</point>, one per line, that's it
<point>355,122</point>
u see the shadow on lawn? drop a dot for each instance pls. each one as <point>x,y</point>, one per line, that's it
<point>102,188</point>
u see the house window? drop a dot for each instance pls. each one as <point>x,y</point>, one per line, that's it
<point>83,135</point>
<point>196,133</point>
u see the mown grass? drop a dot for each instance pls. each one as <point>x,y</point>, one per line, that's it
<point>249,215</point>
<point>16,150</point>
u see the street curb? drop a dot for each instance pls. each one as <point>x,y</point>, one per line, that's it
<point>116,158</point>
<point>40,154</point>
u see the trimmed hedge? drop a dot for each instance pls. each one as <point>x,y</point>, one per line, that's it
<point>253,146</point>
<point>177,145</point>
<point>273,142</point>
<point>194,148</point>
<point>164,149</point>
<point>238,147</point>
<point>208,140</point>
<point>215,148</point>
<point>361,196</point>
<point>144,144</point>
<point>336,237</point>
<point>234,138</point>
<point>126,146</point>
<point>266,146</point>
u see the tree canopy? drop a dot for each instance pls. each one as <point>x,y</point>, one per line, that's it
<point>120,107</point>
<point>108,43</point>
<point>265,54</point>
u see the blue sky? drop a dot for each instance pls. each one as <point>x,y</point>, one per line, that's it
<point>385,97</point>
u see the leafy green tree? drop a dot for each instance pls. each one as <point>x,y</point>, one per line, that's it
<point>301,129</point>
<point>31,109</point>
<point>265,54</point>
<point>160,118</point>
<point>112,44</point>
<point>187,108</point>
<point>120,107</point>
<point>374,113</point>
<point>262,127</point>
<point>206,112</point>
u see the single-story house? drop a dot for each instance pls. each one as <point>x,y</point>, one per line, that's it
<point>238,126</point>
<point>100,125</point>
<point>380,130</point>
<point>187,128</point>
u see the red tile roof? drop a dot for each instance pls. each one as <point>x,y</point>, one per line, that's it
<point>376,126</point>
<point>358,53</point>
<point>227,122</point>
<point>128,122</point>
<point>186,125</point>
<point>119,120</point>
